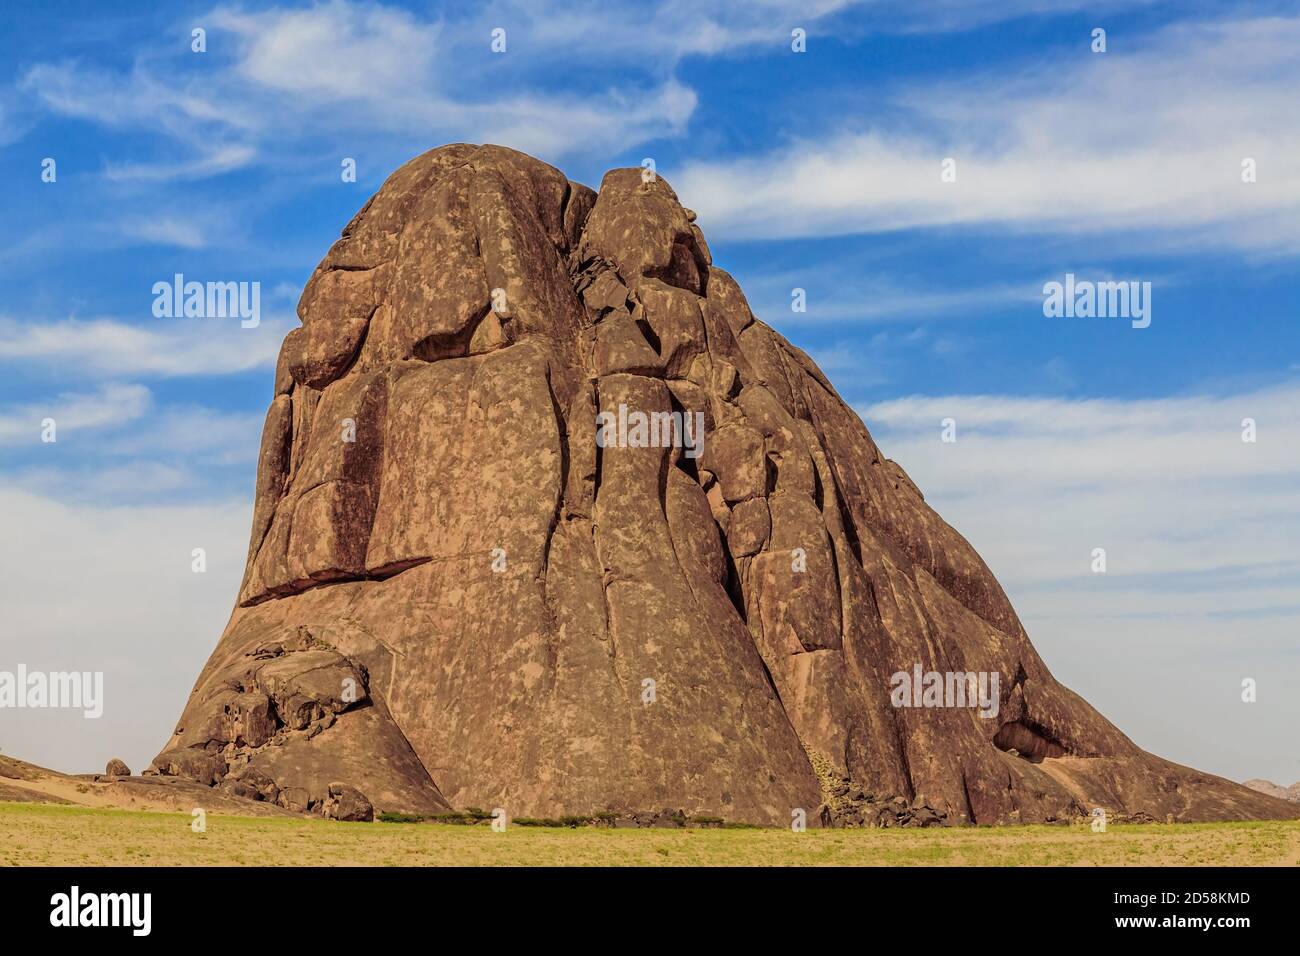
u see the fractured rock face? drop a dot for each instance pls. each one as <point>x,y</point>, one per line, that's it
<point>458,592</point>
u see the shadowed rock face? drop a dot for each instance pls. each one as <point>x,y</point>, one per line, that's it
<point>455,595</point>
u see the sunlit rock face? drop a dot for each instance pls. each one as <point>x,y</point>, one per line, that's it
<point>546,520</point>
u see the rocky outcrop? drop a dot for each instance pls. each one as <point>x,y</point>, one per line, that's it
<point>495,561</point>
<point>28,783</point>
<point>288,716</point>
<point>117,768</point>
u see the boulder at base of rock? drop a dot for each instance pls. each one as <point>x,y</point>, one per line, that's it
<point>347,803</point>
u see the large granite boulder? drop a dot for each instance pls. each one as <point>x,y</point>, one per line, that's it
<point>477,577</point>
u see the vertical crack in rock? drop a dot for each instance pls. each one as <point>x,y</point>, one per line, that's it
<point>455,596</point>
<point>970,809</point>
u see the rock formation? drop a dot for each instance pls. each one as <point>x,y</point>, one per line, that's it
<point>456,595</point>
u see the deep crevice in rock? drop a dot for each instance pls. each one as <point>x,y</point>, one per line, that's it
<point>1026,739</point>
<point>735,591</point>
<point>450,345</point>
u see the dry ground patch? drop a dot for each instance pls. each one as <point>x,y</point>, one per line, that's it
<point>45,835</point>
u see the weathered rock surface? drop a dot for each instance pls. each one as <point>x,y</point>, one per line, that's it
<point>454,595</point>
<point>117,768</point>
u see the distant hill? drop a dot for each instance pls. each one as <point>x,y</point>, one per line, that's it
<point>1291,793</point>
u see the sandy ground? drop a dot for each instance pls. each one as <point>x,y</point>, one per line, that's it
<point>46,835</point>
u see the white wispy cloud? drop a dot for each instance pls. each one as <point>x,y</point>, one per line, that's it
<point>104,483</point>
<point>135,97</point>
<point>11,126</point>
<point>611,120</point>
<point>675,29</point>
<point>949,16</point>
<point>841,293</point>
<point>304,79</point>
<point>167,348</point>
<point>377,68</point>
<point>1148,138</point>
<point>166,231</point>
<point>281,80</point>
<point>120,446</point>
<point>1167,486</point>
<point>342,50</point>
<point>196,436</point>
<point>110,406</point>
<point>212,160</point>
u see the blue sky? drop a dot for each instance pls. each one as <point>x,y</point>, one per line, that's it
<point>818,170</point>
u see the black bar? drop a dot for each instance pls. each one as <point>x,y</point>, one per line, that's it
<point>342,907</point>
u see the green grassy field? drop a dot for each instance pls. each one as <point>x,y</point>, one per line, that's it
<point>43,835</point>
